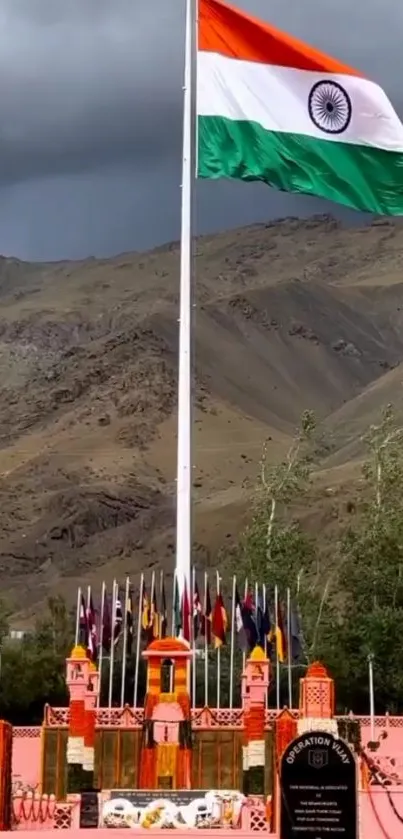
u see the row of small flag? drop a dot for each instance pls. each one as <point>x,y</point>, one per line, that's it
<point>257,618</point>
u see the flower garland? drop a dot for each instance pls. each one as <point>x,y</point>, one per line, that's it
<point>89,740</point>
<point>286,731</point>
<point>77,730</point>
<point>306,724</point>
<point>253,752</point>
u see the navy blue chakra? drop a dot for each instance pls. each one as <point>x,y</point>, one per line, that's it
<point>329,107</point>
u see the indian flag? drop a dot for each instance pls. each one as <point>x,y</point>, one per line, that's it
<point>271,108</point>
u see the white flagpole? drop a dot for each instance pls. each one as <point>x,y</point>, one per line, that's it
<point>101,641</point>
<point>244,597</point>
<point>123,684</point>
<point>152,596</point>
<point>265,637</point>
<point>205,643</point>
<point>277,658</point>
<point>77,635</point>
<point>89,640</point>
<point>371,695</point>
<point>160,615</point>
<point>184,447</point>
<point>173,624</point>
<point>173,618</point>
<point>218,654</point>
<point>112,655</point>
<point>138,642</point>
<point>231,666</point>
<point>289,662</point>
<point>192,630</point>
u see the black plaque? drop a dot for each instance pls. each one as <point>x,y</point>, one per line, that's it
<point>142,797</point>
<point>318,785</point>
<point>89,809</point>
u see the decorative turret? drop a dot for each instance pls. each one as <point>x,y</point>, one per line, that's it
<point>316,701</point>
<point>91,698</point>
<point>255,683</point>
<point>82,683</point>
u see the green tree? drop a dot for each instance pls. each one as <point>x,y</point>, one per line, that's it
<point>350,595</point>
<point>370,616</point>
<point>33,669</point>
<point>274,549</point>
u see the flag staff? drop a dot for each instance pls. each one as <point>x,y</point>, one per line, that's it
<point>184,446</point>
<point>77,632</point>
<point>245,594</point>
<point>206,640</point>
<point>371,695</point>
<point>101,641</point>
<point>289,651</point>
<point>124,662</point>
<point>266,696</point>
<point>231,667</point>
<point>138,642</point>
<point>193,638</point>
<point>112,651</point>
<point>218,650</point>
<point>276,610</point>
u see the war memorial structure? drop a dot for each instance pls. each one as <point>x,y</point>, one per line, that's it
<point>297,773</point>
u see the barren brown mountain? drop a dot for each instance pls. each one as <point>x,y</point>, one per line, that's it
<point>288,316</point>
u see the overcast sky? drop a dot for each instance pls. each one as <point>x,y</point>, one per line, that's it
<point>90,118</point>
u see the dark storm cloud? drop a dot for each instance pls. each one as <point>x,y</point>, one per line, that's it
<point>90,117</point>
<point>85,83</point>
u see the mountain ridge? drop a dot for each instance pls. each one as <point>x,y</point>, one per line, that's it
<point>291,315</point>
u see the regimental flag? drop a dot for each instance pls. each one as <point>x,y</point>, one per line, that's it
<point>185,614</point>
<point>164,612</point>
<point>276,635</point>
<point>92,647</point>
<point>197,612</point>
<point>106,626</point>
<point>206,616</point>
<point>239,624</point>
<point>118,624</point>
<point>154,626</point>
<point>273,109</point>
<point>249,621</point>
<point>129,623</point>
<point>219,621</point>
<point>177,610</point>
<point>281,635</point>
<point>263,623</point>
<point>296,635</point>
<point>83,624</point>
<point>145,611</point>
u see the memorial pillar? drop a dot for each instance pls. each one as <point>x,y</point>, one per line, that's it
<point>255,683</point>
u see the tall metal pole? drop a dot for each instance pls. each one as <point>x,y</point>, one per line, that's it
<point>112,652</point>
<point>184,447</point>
<point>101,642</point>
<point>232,650</point>
<point>276,607</point>
<point>138,643</point>
<point>206,640</point>
<point>371,695</point>
<point>218,652</point>
<point>124,658</point>
<point>289,650</point>
<point>77,631</point>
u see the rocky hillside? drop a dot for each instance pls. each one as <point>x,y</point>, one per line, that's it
<point>289,315</point>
